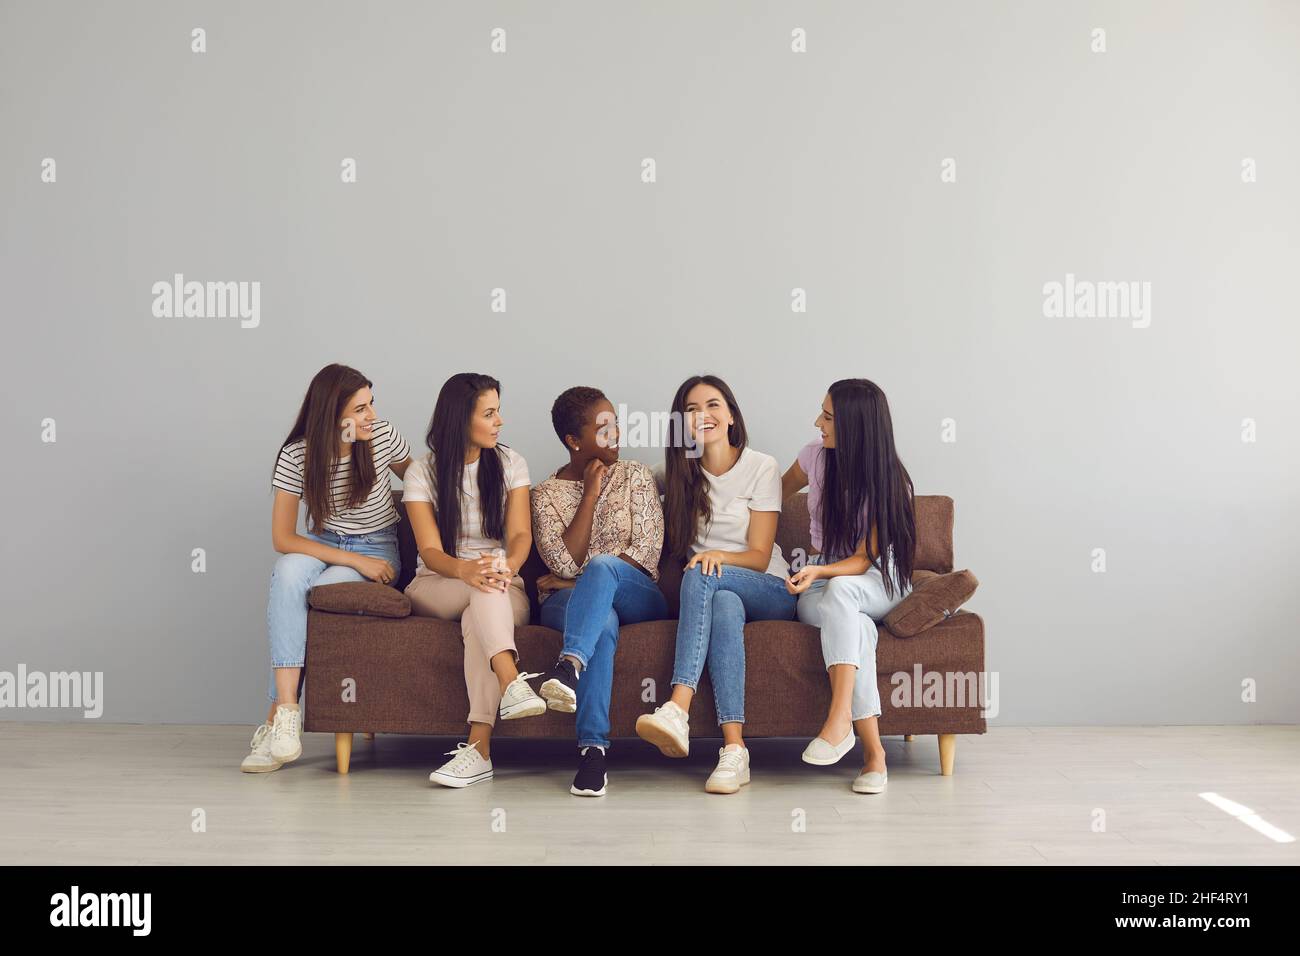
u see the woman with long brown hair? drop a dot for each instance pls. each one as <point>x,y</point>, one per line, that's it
<point>468,505</point>
<point>722,500</point>
<point>336,459</point>
<point>863,535</point>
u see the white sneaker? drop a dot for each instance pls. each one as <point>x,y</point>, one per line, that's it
<point>519,700</point>
<point>873,782</point>
<point>668,728</point>
<point>732,771</point>
<point>819,753</point>
<point>286,733</point>
<point>465,767</point>
<point>259,759</point>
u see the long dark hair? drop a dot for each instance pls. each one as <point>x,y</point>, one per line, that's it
<point>864,477</point>
<point>686,496</point>
<point>318,423</point>
<point>448,439</point>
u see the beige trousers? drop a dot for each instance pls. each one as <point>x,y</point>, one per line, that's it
<point>487,626</point>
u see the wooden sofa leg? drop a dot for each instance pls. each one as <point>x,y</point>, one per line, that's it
<point>907,737</point>
<point>947,753</point>
<point>369,736</point>
<point>343,751</point>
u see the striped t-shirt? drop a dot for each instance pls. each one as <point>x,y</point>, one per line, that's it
<point>376,512</point>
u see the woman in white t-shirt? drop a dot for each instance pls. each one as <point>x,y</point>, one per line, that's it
<point>721,505</point>
<point>336,460</point>
<point>472,545</point>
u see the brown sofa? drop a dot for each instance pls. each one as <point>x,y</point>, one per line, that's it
<point>407,671</point>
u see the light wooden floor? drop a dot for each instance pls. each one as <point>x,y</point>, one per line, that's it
<point>101,793</point>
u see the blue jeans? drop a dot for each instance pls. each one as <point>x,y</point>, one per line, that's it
<point>296,574</point>
<point>609,592</point>
<point>711,627</point>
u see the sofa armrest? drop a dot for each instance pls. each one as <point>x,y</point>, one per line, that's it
<point>360,597</point>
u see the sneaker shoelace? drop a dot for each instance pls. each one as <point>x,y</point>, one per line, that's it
<point>286,723</point>
<point>673,716</point>
<point>260,736</point>
<point>463,755</point>
<point>520,684</point>
<point>730,760</point>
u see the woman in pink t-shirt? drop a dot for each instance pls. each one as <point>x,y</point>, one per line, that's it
<point>863,536</point>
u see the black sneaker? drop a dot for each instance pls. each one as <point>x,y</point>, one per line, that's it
<point>559,687</point>
<point>590,779</point>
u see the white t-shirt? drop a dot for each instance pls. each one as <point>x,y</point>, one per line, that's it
<point>753,483</point>
<point>420,484</point>
<point>376,511</point>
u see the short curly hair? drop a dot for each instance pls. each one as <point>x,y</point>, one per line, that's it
<point>569,413</point>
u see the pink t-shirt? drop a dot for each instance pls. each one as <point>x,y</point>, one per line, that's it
<point>812,460</point>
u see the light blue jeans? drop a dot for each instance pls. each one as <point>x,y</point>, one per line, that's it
<point>846,608</point>
<point>296,574</point>
<point>711,628</point>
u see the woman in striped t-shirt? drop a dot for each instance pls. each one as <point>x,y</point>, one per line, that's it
<point>336,459</point>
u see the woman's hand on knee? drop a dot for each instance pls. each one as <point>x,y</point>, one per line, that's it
<point>709,562</point>
<point>376,569</point>
<point>802,580</point>
<point>481,574</point>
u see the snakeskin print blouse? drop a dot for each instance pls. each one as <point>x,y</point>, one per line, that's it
<point>628,520</point>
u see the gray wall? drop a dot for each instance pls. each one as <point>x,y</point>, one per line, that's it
<point>775,170</point>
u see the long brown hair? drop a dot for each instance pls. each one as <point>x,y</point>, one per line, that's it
<point>864,479</point>
<point>318,423</point>
<point>448,439</point>
<point>686,496</point>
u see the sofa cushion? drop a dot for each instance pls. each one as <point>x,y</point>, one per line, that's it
<point>792,527</point>
<point>360,597</point>
<point>934,523</point>
<point>934,520</point>
<point>933,598</point>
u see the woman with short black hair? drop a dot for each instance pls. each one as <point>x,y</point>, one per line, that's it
<point>599,527</point>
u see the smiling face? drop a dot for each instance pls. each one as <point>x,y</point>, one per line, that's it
<point>707,414</point>
<point>358,418</point>
<point>826,422</point>
<point>485,421</point>
<point>600,435</point>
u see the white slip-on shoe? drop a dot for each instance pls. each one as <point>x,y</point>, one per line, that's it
<point>732,771</point>
<point>465,767</point>
<point>668,728</point>
<point>259,759</point>
<point>819,753</point>
<point>873,782</point>
<point>286,733</point>
<point>519,700</point>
